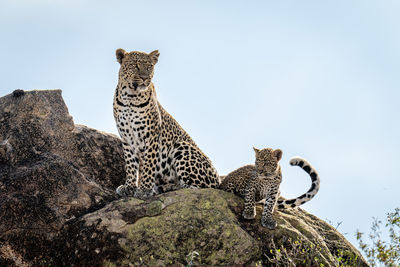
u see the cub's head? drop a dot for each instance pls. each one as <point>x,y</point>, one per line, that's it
<point>137,68</point>
<point>267,160</point>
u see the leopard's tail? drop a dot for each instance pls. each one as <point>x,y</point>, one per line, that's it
<point>295,202</point>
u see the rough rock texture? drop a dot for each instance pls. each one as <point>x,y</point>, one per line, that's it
<point>51,171</point>
<point>58,207</point>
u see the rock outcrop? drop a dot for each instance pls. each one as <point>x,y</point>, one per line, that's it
<point>58,206</point>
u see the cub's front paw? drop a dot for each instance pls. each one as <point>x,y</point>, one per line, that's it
<point>249,214</point>
<point>268,223</point>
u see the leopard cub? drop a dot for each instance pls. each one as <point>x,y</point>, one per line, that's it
<point>261,181</point>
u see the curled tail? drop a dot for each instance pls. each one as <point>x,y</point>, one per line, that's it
<point>295,202</point>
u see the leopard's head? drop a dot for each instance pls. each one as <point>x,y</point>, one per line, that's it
<point>137,68</point>
<point>267,161</point>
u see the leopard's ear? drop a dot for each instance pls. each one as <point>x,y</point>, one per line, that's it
<point>277,154</point>
<point>256,150</point>
<point>120,53</point>
<point>154,56</point>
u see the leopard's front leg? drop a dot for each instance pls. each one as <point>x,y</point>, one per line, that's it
<point>249,211</point>
<point>266,219</point>
<point>146,182</point>
<point>131,169</point>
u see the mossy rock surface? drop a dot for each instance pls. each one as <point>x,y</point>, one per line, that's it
<point>168,227</point>
<point>165,229</point>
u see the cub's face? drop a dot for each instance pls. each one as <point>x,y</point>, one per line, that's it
<point>267,161</point>
<point>137,68</point>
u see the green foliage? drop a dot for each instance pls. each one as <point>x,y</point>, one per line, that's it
<point>383,252</point>
<point>346,258</point>
<point>304,253</point>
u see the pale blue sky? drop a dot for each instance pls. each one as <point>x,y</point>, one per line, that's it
<point>317,79</point>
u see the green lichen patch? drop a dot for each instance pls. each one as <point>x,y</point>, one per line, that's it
<point>154,208</point>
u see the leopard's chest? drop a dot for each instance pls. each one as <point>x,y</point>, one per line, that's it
<point>263,190</point>
<point>265,186</point>
<point>137,127</point>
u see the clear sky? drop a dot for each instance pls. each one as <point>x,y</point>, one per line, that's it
<point>318,79</point>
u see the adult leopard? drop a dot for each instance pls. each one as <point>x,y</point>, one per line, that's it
<point>159,155</point>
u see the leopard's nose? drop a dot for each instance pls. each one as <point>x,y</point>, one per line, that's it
<point>135,85</point>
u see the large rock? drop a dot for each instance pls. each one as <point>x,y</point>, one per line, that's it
<point>51,171</point>
<point>58,206</point>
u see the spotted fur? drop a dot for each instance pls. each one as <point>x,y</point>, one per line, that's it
<point>159,155</point>
<point>261,182</point>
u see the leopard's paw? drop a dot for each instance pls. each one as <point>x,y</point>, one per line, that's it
<point>125,191</point>
<point>249,214</point>
<point>143,193</point>
<point>120,191</point>
<point>268,222</point>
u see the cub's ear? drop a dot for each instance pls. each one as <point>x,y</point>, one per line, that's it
<point>154,56</point>
<point>256,150</point>
<point>277,154</point>
<point>120,53</point>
